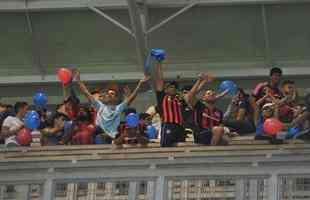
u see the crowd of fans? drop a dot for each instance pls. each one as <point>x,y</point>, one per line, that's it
<point>177,115</point>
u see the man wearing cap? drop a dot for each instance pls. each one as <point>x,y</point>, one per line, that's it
<point>170,110</point>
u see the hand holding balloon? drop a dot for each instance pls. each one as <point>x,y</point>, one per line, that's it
<point>158,54</point>
<point>64,75</point>
<point>230,86</point>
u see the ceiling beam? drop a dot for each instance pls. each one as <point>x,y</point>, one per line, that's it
<point>34,43</point>
<point>115,22</point>
<point>137,26</point>
<point>165,21</point>
<point>45,5</point>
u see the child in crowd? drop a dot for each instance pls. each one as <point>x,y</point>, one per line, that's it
<point>239,114</point>
<point>132,135</point>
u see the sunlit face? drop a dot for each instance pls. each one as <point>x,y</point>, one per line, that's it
<point>275,78</point>
<point>209,96</point>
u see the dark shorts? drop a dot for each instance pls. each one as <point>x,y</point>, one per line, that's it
<point>241,127</point>
<point>203,137</point>
<point>171,134</point>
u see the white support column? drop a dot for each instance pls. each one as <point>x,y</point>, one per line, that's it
<point>71,191</point>
<point>273,187</point>
<point>253,189</point>
<point>109,190</point>
<point>91,191</point>
<point>150,190</point>
<point>48,190</point>
<point>133,190</point>
<point>2,190</point>
<point>161,188</point>
<point>239,189</point>
<point>184,190</point>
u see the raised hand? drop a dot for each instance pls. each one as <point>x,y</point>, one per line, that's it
<point>207,77</point>
<point>145,79</point>
<point>76,74</point>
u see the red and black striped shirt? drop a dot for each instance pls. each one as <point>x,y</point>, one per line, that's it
<point>170,108</point>
<point>207,118</point>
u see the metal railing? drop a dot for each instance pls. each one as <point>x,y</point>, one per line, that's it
<point>241,172</point>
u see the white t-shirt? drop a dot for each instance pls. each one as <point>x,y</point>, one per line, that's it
<point>13,123</point>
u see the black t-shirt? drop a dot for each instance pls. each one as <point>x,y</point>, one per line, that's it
<point>188,114</point>
<point>207,118</point>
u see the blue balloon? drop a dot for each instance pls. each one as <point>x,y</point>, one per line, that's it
<point>132,120</point>
<point>32,120</point>
<point>151,132</point>
<point>291,132</point>
<point>40,99</point>
<point>158,54</point>
<point>230,86</point>
<point>32,113</point>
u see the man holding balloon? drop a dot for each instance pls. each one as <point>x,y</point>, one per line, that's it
<point>109,112</point>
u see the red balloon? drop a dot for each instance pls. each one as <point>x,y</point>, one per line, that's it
<point>273,126</point>
<point>23,137</point>
<point>64,75</point>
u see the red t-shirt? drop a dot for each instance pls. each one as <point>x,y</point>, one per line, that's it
<point>84,134</point>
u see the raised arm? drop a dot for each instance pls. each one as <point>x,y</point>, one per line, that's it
<point>190,97</point>
<point>131,97</point>
<point>159,81</point>
<point>222,94</point>
<point>82,86</point>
